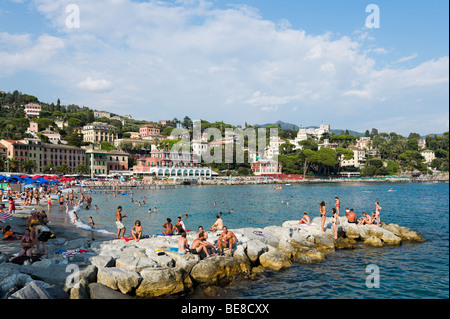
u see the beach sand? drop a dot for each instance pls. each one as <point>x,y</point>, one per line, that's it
<point>62,233</point>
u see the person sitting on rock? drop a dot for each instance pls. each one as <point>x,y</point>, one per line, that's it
<point>226,240</point>
<point>351,217</point>
<point>198,246</point>
<point>218,225</point>
<point>366,220</point>
<point>306,220</point>
<point>183,246</point>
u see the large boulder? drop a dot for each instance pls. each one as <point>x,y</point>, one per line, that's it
<point>163,282</point>
<point>403,232</point>
<point>136,264</point>
<point>275,260</point>
<point>121,279</point>
<point>373,241</point>
<point>102,261</point>
<point>39,290</point>
<point>99,291</point>
<point>255,248</point>
<point>299,253</point>
<point>217,271</point>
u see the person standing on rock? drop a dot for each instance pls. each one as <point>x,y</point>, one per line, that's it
<point>338,208</point>
<point>377,212</point>
<point>323,215</point>
<point>120,226</point>
<point>334,221</point>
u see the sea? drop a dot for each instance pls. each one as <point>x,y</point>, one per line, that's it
<point>409,271</point>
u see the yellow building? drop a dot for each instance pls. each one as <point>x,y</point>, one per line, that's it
<point>98,132</point>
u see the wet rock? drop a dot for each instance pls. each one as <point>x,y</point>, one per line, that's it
<point>275,260</point>
<point>163,282</point>
<point>119,279</point>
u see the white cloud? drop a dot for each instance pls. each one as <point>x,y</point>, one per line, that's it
<point>189,58</point>
<point>406,58</point>
<point>95,85</point>
<point>23,52</point>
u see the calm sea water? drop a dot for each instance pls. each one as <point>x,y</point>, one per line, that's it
<point>408,271</point>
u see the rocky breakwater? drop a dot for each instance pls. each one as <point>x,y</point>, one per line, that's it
<point>118,269</point>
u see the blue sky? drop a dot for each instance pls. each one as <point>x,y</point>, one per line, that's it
<point>255,61</point>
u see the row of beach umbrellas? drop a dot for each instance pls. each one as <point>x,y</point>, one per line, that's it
<point>35,180</point>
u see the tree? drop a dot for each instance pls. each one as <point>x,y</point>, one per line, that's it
<point>167,130</point>
<point>187,122</point>
<point>125,146</point>
<point>327,158</point>
<point>64,169</point>
<point>373,133</point>
<point>14,164</point>
<point>286,148</point>
<point>82,169</point>
<point>107,146</point>
<point>48,169</point>
<point>311,157</point>
<point>28,165</point>
<point>74,139</point>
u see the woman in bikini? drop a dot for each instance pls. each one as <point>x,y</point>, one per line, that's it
<point>12,206</point>
<point>32,222</point>
<point>323,213</point>
<point>377,212</point>
<point>338,208</point>
<point>136,231</point>
<point>334,221</point>
<point>27,244</point>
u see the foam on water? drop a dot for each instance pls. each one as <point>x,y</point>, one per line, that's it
<point>80,224</point>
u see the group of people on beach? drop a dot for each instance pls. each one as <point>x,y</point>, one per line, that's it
<point>37,232</point>
<point>227,238</point>
<point>366,219</point>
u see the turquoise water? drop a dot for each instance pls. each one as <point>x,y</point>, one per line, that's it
<point>408,271</point>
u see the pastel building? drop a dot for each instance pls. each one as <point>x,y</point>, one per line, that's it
<point>266,167</point>
<point>98,132</point>
<point>429,155</point>
<point>32,110</point>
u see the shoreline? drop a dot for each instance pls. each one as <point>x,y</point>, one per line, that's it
<point>117,269</point>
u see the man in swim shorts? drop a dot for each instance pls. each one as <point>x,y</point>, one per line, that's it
<point>352,219</point>
<point>120,226</point>
<point>226,239</point>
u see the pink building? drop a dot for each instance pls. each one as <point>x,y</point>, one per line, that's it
<point>148,130</point>
<point>32,110</point>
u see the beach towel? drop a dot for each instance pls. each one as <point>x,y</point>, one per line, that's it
<point>5,216</point>
<point>260,233</point>
<point>70,252</point>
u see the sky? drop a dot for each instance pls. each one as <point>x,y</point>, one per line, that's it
<point>254,61</point>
